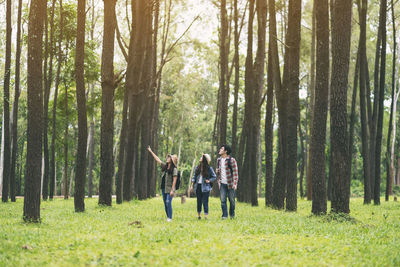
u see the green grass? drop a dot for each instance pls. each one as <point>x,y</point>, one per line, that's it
<point>259,236</point>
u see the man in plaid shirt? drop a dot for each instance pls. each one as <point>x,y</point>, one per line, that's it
<point>227,172</point>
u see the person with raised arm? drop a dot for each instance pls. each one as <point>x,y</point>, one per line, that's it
<point>169,179</point>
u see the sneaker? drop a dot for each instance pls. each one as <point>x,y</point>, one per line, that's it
<point>224,218</point>
<point>199,217</point>
<point>169,220</point>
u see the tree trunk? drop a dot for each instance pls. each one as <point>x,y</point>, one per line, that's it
<point>382,25</point>
<point>52,176</point>
<point>107,107</point>
<point>80,165</point>
<point>312,101</point>
<point>237,77</point>
<point>318,138</point>
<point>341,34</point>
<point>90,158</point>
<point>35,107</point>
<point>48,82</point>
<point>14,140</point>
<point>293,49</point>
<point>279,188</point>
<point>223,79</point>
<point>6,106</point>
<point>269,130</point>
<point>363,112</point>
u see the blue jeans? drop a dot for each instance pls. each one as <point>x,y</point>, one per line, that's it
<point>230,193</point>
<point>202,199</point>
<point>167,204</point>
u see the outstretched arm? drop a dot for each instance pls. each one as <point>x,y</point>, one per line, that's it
<point>154,155</point>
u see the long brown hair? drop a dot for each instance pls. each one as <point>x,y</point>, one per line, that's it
<point>203,167</point>
<point>169,168</point>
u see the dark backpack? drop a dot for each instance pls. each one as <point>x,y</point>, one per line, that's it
<point>177,184</point>
<point>229,164</point>
<point>178,181</point>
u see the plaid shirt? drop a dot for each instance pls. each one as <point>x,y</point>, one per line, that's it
<point>231,177</point>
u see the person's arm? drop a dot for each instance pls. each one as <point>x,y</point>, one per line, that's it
<point>173,186</point>
<point>193,179</point>
<point>235,173</point>
<point>154,155</point>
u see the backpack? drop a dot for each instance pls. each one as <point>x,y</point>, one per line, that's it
<point>229,164</point>
<point>178,180</point>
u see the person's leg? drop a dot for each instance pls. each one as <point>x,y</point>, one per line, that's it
<point>231,196</point>
<point>164,195</point>
<point>205,197</point>
<point>169,206</point>
<point>223,193</point>
<point>199,197</point>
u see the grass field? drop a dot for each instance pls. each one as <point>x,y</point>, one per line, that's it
<point>137,234</point>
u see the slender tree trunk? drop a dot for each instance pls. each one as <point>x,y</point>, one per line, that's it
<point>66,124</point>
<point>90,158</point>
<point>48,82</point>
<point>107,107</point>
<point>237,77</point>
<point>14,140</point>
<point>382,25</point>
<point>223,80</point>
<point>80,168</point>
<point>363,112</point>
<point>269,131</point>
<point>279,188</point>
<point>293,41</point>
<point>318,138</point>
<point>6,105</point>
<point>341,35</point>
<point>52,176</point>
<point>312,101</point>
<point>35,106</point>
<point>389,175</point>
<point>303,159</point>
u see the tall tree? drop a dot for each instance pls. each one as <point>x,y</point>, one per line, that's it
<point>341,35</point>
<point>223,79</point>
<point>254,85</point>
<point>291,81</point>
<point>48,82</point>
<point>14,127</point>
<point>107,107</point>
<point>312,101</point>
<point>80,168</point>
<point>237,74</point>
<point>37,12</point>
<point>318,138</point>
<point>6,114</point>
<point>363,101</point>
<point>269,130</point>
<point>382,77</point>
<point>279,188</point>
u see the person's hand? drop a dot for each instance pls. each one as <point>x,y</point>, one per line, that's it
<point>191,188</point>
<point>207,181</point>
<point>149,149</point>
<point>171,193</point>
<point>234,187</point>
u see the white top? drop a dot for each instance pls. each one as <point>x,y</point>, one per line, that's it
<point>200,179</point>
<point>224,180</point>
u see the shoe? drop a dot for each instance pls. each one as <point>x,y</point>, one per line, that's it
<point>169,220</point>
<point>199,218</point>
<point>224,218</point>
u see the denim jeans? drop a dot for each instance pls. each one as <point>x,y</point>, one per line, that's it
<point>227,193</point>
<point>167,204</point>
<point>202,199</point>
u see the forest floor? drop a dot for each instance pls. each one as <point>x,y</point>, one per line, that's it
<point>137,233</point>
